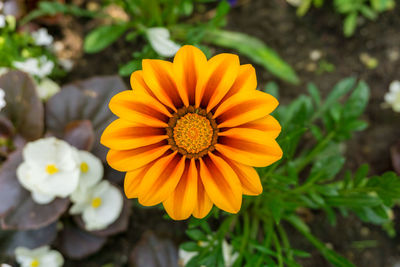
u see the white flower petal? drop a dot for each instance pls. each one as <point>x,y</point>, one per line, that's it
<point>159,39</point>
<point>61,184</point>
<point>92,170</point>
<point>97,218</point>
<point>186,256</point>
<point>394,86</point>
<point>41,198</point>
<point>52,258</point>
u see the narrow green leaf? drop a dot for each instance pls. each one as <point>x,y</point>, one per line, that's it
<point>350,24</point>
<point>254,49</point>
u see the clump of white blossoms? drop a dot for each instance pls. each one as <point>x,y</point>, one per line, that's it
<point>2,100</point>
<point>39,257</point>
<point>392,98</point>
<point>40,67</point>
<point>42,37</point>
<point>100,206</point>
<point>50,169</point>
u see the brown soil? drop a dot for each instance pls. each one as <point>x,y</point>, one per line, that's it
<point>275,22</point>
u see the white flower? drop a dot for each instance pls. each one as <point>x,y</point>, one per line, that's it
<point>50,169</point>
<point>159,39</point>
<point>42,37</point>
<point>392,97</point>
<point>91,172</point>
<point>39,257</point>
<point>47,88</point>
<point>100,206</point>
<point>2,100</point>
<point>229,255</point>
<point>2,21</point>
<point>40,67</point>
<point>185,256</point>
<point>5,265</point>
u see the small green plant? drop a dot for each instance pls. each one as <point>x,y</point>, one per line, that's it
<point>351,10</point>
<point>154,24</point>
<point>309,177</point>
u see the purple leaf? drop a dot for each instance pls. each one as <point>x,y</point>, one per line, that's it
<point>29,215</point>
<point>24,107</point>
<point>152,251</point>
<point>80,134</point>
<point>10,189</point>
<point>30,239</point>
<point>85,100</point>
<point>78,244</point>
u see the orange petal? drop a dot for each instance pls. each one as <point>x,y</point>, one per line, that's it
<point>204,203</point>
<point>133,179</point>
<point>248,146</point>
<point>189,62</point>
<point>219,75</point>
<point>246,80</point>
<point>124,135</point>
<point>139,107</point>
<point>128,160</point>
<point>158,75</point>
<point>221,183</point>
<point>180,204</point>
<point>248,177</point>
<point>138,83</point>
<point>161,179</point>
<point>244,107</point>
<point>266,124</point>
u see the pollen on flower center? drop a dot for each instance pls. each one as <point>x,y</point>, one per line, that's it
<point>96,202</point>
<point>192,132</point>
<point>51,169</point>
<point>35,263</point>
<point>84,167</point>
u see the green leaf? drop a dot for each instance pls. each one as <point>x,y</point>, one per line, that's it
<point>272,89</point>
<point>189,246</point>
<point>130,67</point>
<point>103,36</point>
<point>350,24</point>
<point>196,234</point>
<point>360,175</point>
<point>314,92</point>
<point>254,49</point>
<point>303,8</point>
<point>357,102</point>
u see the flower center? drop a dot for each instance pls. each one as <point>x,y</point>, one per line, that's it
<point>84,167</point>
<point>35,263</point>
<point>51,169</point>
<point>96,202</point>
<point>192,132</point>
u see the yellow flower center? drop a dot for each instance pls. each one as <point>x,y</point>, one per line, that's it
<point>51,169</point>
<point>96,202</point>
<point>35,263</point>
<point>84,167</point>
<point>193,133</point>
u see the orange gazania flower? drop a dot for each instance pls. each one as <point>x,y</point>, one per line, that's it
<point>190,132</point>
